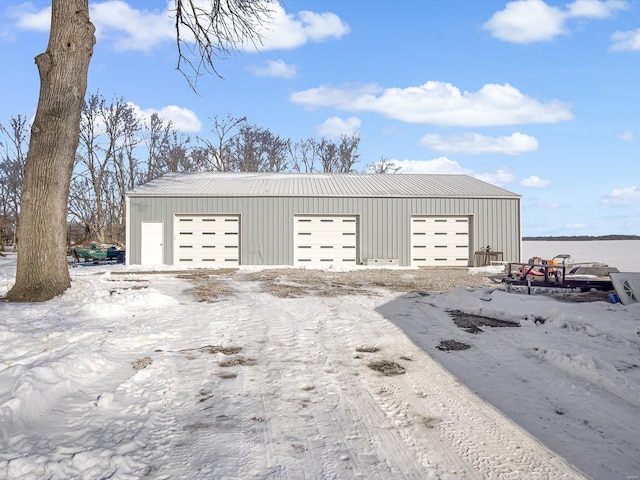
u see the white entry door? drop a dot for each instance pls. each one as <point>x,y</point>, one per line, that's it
<point>439,241</point>
<point>322,240</point>
<point>152,243</point>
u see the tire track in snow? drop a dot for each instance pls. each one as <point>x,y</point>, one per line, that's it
<point>491,443</point>
<point>201,405</point>
<point>356,414</point>
<point>407,436</point>
<point>340,422</point>
<point>288,389</point>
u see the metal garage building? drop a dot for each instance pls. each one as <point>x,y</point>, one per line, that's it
<point>229,219</point>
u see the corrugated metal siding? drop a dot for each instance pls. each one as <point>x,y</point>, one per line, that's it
<point>319,185</point>
<point>266,228</point>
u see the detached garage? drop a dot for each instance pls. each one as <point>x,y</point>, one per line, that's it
<point>230,219</point>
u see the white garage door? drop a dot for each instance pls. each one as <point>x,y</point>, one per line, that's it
<point>209,239</point>
<point>325,240</point>
<point>439,241</point>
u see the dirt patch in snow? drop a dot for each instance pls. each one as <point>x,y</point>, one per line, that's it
<point>387,367</point>
<point>472,323</point>
<point>141,363</point>
<point>213,349</point>
<point>367,348</point>
<point>209,287</point>
<point>239,360</point>
<point>302,282</point>
<point>452,346</point>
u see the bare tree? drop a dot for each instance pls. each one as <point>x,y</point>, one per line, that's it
<point>155,140</point>
<point>127,169</point>
<point>216,152</point>
<point>200,158</point>
<point>177,155</point>
<point>277,151</point>
<point>167,151</point>
<point>12,162</point>
<point>216,26</point>
<point>384,165</point>
<point>304,156</point>
<point>106,166</point>
<point>257,149</point>
<point>348,152</point>
<point>338,157</point>
<point>245,150</point>
<point>327,152</point>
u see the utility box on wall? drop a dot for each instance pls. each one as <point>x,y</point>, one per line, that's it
<point>381,261</point>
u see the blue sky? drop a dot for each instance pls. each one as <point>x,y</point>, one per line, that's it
<point>539,97</point>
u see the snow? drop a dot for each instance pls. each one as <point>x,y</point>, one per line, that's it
<point>128,375</point>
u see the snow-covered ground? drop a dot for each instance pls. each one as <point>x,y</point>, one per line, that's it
<point>128,375</point>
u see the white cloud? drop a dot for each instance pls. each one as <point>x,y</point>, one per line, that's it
<point>534,181</point>
<point>439,103</point>
<point>623,196</point>
<point>286,31</point>
<point>628,136</point>
<point>115,20</point>
<point>443,165</point>
<point>500,177</point>
<point>595,8</point>
<point>274,68</point>
<point>440,165</point>
<point>529,21</point>
<point>183,119</point>
<point>474,143</point>
<point>626,41</point>
<point>335,126</point>
<point>130,28</point>
<point>344,98</point>
<point>29,18</point>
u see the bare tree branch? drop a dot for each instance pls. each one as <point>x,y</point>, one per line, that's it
<point>384,165</point>
<point>210,30</point>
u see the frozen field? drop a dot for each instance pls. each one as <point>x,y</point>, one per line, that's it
<point>623,254</point>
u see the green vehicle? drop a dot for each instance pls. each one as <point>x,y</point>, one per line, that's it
<point>95,254</point>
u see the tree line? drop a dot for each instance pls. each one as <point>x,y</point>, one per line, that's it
<point>119,150</point>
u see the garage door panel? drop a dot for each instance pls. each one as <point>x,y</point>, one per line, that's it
<point>435,229</point>
<point>207,243</point>
<point>207,239</point>
<point>208,228</point>
<point>323,228</point>
<point>325,240</point>
<point>440,241</point>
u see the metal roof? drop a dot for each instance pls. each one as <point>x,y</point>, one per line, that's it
<point>227,184</point>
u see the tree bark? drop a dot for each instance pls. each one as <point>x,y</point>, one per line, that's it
<point>42,271</point>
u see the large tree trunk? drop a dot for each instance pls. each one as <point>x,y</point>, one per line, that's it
<point>42,271</point>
